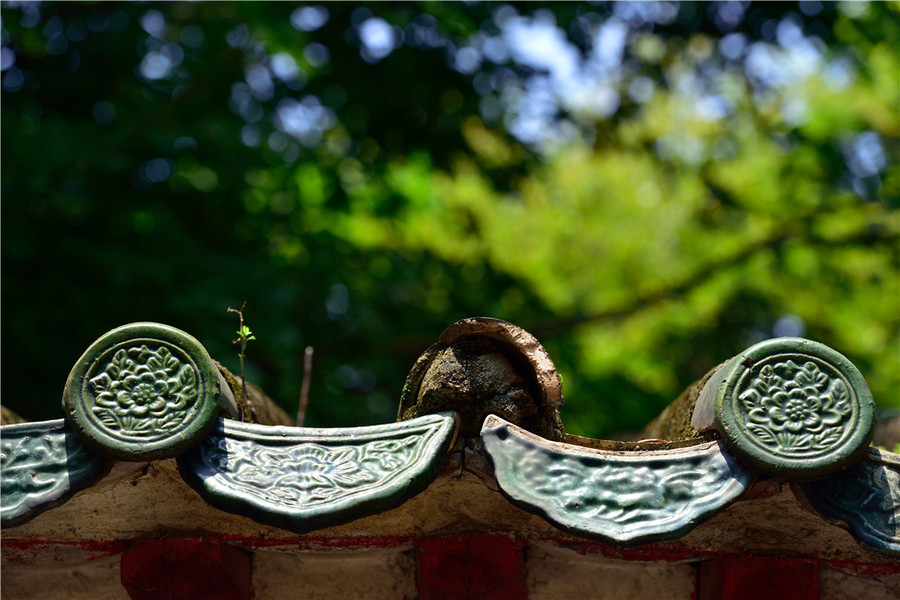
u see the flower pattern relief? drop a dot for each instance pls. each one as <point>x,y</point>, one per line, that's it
<point>622,493</point>
<point>861,496</point>
<point>304,479</point>
<point>309,474</point>
<point>22,460</point>
<point>42,464</point>
<point>796,409</point>
<point>143,392</point>
<point>648,498</point>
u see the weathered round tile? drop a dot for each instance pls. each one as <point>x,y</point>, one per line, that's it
<point>795,408</point>
<point>142,391</point>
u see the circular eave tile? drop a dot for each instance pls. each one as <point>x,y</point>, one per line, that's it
<point>142,391</point>
<point>795,408</point>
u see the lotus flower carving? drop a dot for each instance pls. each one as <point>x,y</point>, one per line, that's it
<point>143,392</point>
<point>796,408</point>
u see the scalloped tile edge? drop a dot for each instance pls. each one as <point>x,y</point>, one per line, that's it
<point>618,498</point>
<point>303,479</point>
<point>859,499</point>
<point>42,465</point>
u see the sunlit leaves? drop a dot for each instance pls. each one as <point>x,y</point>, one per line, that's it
<point>648,187</point>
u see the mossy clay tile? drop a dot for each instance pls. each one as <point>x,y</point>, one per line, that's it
<point>142,391</point>
<point>621,498</point>
<point>863,498</point>
<point>42,465</point>
<point>302,479</point>
<point>790,407</point>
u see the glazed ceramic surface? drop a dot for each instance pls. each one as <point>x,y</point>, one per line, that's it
<point>617,497</point>
<point>143,391</point>
<point>41,466</point>
<point>303,479</point>
<point>864,498</point>
<point>791,407</point>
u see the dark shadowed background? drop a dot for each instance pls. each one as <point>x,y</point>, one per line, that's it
<point>647,187</point>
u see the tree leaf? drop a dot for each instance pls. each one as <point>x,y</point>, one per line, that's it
<point>763,434</point>
<point>117,364</point>
<point>187,377</point>
<point>750,399</point>
<point>101,382</point>
<point>840,395</point>
<point>828,437</point>
<point>107,417</point>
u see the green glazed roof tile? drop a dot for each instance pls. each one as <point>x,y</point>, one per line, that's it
<point>864,497</point>
<point>142,391</point>
<point>145,391</point>
<point>303,479</point>
<point>620,498</point>
<point>791,407</point>
<point>41,466</point>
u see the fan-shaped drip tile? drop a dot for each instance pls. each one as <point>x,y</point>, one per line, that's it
<point>865,498</point>
<point>617,497</point>
<point>303,479</point>
<point>42,465</point>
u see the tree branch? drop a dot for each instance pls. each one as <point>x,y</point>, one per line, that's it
<point>870,236</point>
<point>640,303</point>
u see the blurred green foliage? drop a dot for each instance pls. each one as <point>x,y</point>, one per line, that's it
<point>647,187</point>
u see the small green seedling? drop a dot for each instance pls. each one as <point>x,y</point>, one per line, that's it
<point>244,336</point>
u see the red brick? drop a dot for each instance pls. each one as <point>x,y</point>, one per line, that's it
<point>755,577</point>
<point>186,569</point>
<point>475,567</point>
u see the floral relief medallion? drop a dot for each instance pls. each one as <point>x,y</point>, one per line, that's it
<point>143,391</point>
<point>795,408</point>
